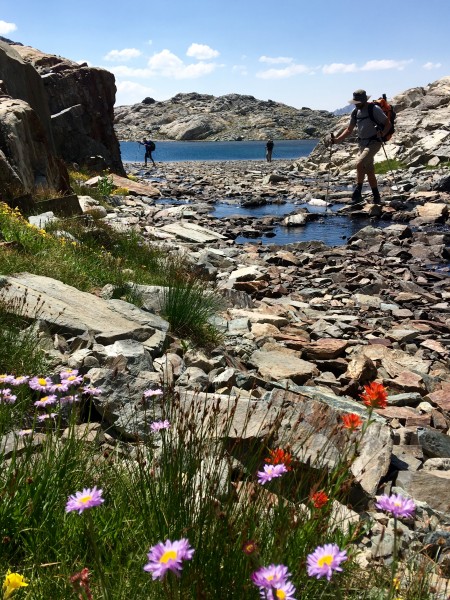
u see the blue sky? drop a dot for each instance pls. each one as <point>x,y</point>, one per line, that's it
<point>303,53</point>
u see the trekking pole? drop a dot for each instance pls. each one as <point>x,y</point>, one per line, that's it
<point>389,166</point>
<point>329,173</point>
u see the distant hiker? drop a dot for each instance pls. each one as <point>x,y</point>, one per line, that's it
<point>149,148</point>
<point>269,149</point>
<point>372,125</point>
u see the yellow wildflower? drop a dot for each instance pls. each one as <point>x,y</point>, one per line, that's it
<point>13,581</point>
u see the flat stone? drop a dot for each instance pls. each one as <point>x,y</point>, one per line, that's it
<point>433,210</point>
<point>192,232</point>
<point>435,346</point>
<point>325,349</point>
<point>427,486</point>
<point>258,317</point>
<point>277,365</point>
<point>247,274</point>
<point>397,412</point>
<point>440,398</point>
<point>402,336</point>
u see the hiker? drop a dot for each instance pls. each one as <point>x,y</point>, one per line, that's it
<point>149,148</point>
<point>269,149</point>
<point>369,140</point>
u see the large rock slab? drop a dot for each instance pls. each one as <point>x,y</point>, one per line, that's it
<point>316,439</point>
<point>192,232</point>
<point>427,486</point>
<point>66,309</point>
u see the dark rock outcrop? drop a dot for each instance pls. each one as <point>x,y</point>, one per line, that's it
<point>81,101</point>
<point>27,151</point>
<point>232,117</point>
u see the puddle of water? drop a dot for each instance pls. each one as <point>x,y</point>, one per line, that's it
<point>332,229</point>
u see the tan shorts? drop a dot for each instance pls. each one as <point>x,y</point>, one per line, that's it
<point>366,155</point>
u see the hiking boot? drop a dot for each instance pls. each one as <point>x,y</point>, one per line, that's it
<point>376,197</point>
<point>356,196</point>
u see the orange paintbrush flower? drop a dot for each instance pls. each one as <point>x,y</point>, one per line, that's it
<point>280,457</point>
<point>351,421</point>
<point>319,499</point>
<point>374,395</point>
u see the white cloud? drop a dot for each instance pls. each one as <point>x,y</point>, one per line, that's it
<point>339,68</point>
<point>429,66</point>
<point>168,64</point>
<point>277,60</point>
<point>124,71</point>
<point>130,92</point>
<point>240,69</point>
<point>383,65</point>
<point>6,27</point>
<point>120,55</point>
<point>289,71</point>
<point>201,52</point>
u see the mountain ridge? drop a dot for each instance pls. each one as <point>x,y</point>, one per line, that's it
<point>194,116</point>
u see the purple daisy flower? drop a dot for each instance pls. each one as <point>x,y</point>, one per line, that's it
<point>24,432</point>
<point>397,505</point>
<point>41,384</point>
<point>19,380</point>
<point>271,472</point>
<point>158,425</point>
<point>150,393</point>
<point>70,399</point>
<point>68,373</point>
<point>92,391</point>
<point>7,397</point>
<point>46,401</point>
<point>45,417</point>
<point>88,498</point>
<point>168,556</point>
<point>325,560</point>
<point>4,378</point>
<point>268,577</point>
<point>280,591</point>
<point>73,380</point>
<point>59,387</point>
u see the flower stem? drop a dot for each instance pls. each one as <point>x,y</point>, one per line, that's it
<point>96,555</point>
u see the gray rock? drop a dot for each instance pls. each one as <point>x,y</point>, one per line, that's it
<point>434,443</point>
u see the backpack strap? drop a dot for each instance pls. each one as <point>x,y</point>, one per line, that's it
<point>370,107</point>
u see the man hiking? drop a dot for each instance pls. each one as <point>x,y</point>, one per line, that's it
<point>269,150</point>
<point>370,135</point>
<point>149,148</point>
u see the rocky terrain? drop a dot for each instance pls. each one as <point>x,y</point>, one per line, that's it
<point>304,326</point>
<point>231,117</point>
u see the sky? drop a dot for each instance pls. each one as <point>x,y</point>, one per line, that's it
<point>303,53</point>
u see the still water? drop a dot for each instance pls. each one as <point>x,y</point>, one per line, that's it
<point>214,151</point>
<point>331,228</point>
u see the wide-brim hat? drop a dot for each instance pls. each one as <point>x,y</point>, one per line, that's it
<point>359,96</point>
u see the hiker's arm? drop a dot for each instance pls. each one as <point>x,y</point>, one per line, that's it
<point>344,135</point>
